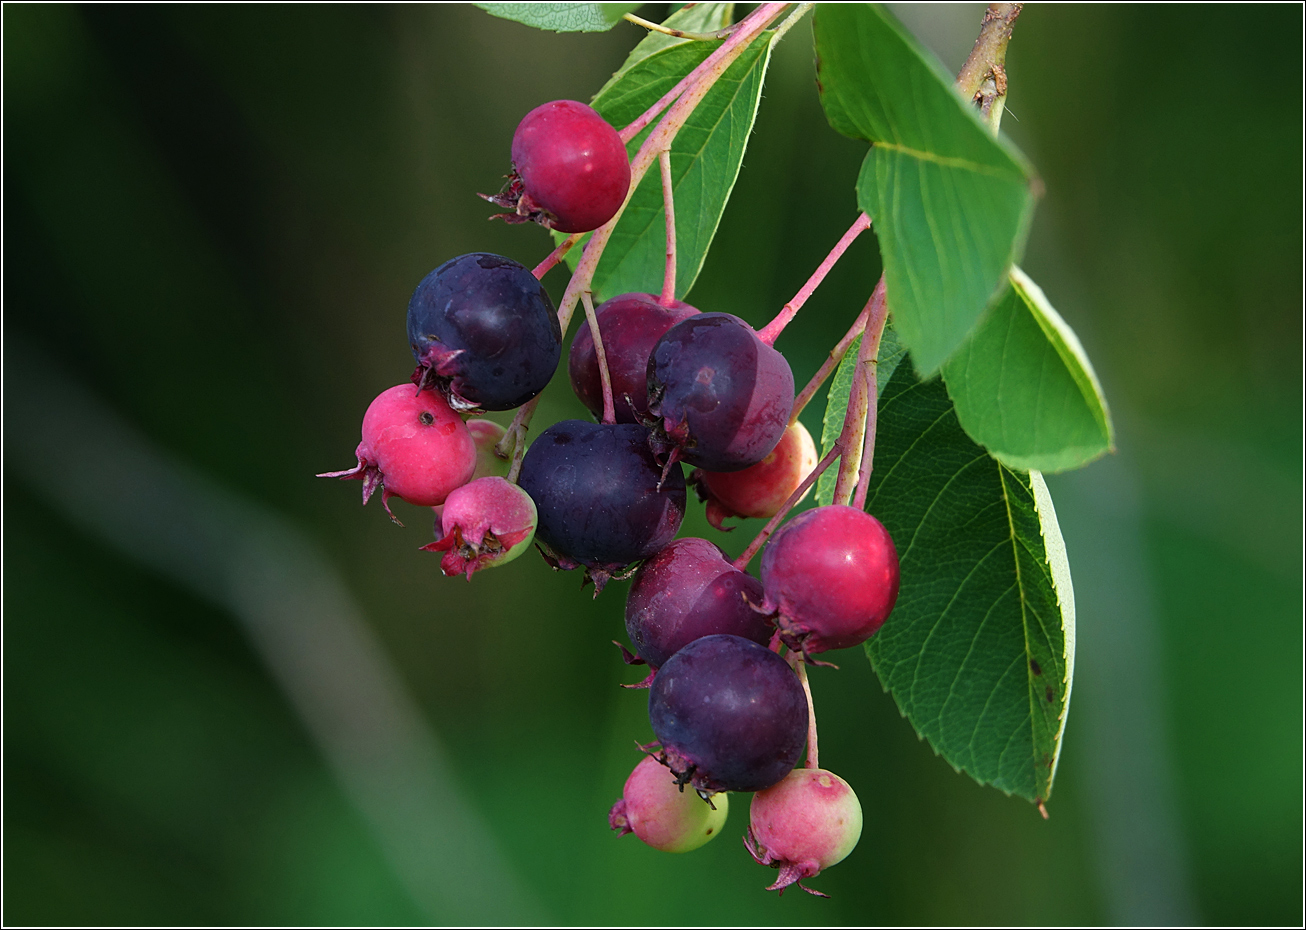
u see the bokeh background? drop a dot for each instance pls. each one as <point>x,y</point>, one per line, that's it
<point>233,696</point>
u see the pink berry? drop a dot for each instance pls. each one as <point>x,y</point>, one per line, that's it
<point>658,811</point>
<point>831,578</point>
<point>570,170</point>
<point>486,434</point>
<point>486,523</point>
<point>759,490</point>
<point>808,822</point>
<point>414,447</point>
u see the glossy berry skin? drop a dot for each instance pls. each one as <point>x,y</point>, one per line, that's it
<point>414,447</point>
<point>486,523</point>
<point>484,332</point>
<point>630,325</point>
<point>689,590</point>
<point>722,395</point>
<point>601,500</point>
<point>808,822</point>
<point>570,170</point>
<point>662,814</point>
<point>831,578</point>
<point>759,490</point>
<point>730,715</point>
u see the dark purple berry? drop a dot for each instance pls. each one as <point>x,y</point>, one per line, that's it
<point>689,590</point>
<point>570,171</point>
<point>484,331</point>
<point>723,396</point>
<point>600,495</point>
<point>831,578</point>
<point>629,325</point>
<point>730,715</point>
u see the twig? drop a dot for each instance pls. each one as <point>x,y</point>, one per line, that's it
<point>609,413</point>
<point>772,330</point>
<point>852,437</point>
<point>874,330</point>
<point>697,36</point>
<point>556,256</point>
<point>668,207</point>
<point>983,78</point>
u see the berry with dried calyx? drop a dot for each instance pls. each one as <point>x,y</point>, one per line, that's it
<point>808,822</point>
<point>486,523</point>
<point>662,814</point>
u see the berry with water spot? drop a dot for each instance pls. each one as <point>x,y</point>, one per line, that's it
<point>662,814</point>
<point>762,489</point>
<point>687,591</point>
<point>414,447</point>
<point>484,332</point>
<point>730,715</point>
<point>629,326</point>
<point>831,578</point>
<point>569,169</point>
<point>722,396</point>
<point>486,523</point>
<point>808,822</point>
<point>602,500</point>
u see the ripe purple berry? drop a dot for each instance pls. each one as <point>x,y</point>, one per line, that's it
<point>689,590</point>
<point>729,714</point>
<point>484,332</point>
<point>570,171</point>
<point>629,324</point>
<point>808,822</point>
<point>759,490</point>
<point>831,578</point>
<point>601,498</point>
<point>486,523</point>
<point>662,814</point>
<point>723,395</point>
<point>414,447</point>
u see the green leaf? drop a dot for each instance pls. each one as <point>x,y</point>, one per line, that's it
<point>701,17</point>
<point>1023,387</point>
<point>563,17</point>
<point>951,202</point>
<point>979,650</point>
<point>705,160</point>
<point>891,352</point>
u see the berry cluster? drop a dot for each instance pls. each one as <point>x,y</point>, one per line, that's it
<point>729,701</point>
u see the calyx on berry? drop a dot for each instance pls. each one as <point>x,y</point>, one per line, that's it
<point>658,811</point>
<point>486,523</point>
<point>808,822</point>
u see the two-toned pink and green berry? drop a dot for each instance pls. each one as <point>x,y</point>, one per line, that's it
<point>486,523</point>
<point>808,822</point>
<point>663,814</point>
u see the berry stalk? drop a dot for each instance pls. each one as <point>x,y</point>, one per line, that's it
<point>669,208</point>
<point>879,313</point>
<point>830,364</point>
<point>609,411</point>
<point>852,437</point>
<point>556,256</point>
<point>800,669</point>
<point>772,330</point>
<point>747,555</point>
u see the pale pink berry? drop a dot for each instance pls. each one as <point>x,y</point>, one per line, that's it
<point>807,822</point>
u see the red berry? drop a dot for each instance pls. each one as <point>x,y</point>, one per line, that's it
<point>486,523</point>
<point>808,822</point>
<point>759,490</point>
<point>831,578</point>
<point>570,170</point>
<point>662,814</point>
<point>414,447</point>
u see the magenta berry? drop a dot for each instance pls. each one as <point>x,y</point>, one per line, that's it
<point>484,332</point>
<point>759,490</point>
<point>630,325</point>
<point>487,522</point>
<point>602,498</point>
<point>729,714</point>
<point>689,590</point>
<point>414,447</point>
<point>658,811</point>
<point>570,170</point>
<point>722,395</point>
<point>808,822</point>
<point>831,578</point>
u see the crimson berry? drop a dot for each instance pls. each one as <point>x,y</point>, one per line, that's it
<point>808,822</point>
<point>570,170</point>
<point>486,523</point>
<point>688,590</point>
<point>831,578</point>
<point>602,500</point>
<point>414,447</point>
<point>722,395</point>
<point>662,814</point>
<point>729,714</point>
<point>484,332</point>
<point>759,490</point>
<point>629,325</point>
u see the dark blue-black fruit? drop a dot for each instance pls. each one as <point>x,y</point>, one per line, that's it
<point>484,332</point>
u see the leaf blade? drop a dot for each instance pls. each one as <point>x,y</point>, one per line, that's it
<point>562,17</point>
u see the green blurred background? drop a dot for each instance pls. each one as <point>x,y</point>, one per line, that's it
<point>213,219</point>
